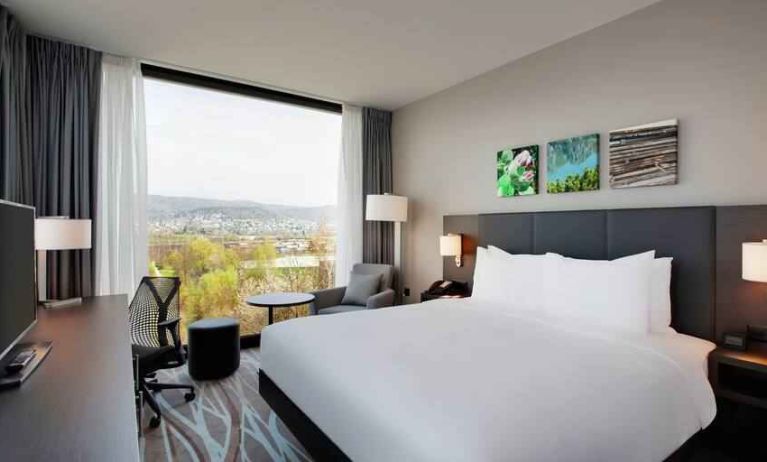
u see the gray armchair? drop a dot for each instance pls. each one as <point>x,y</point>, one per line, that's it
<point>328,301</point>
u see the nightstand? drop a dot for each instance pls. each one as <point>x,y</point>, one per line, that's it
<point>740,376</point>
<point>426,296</point>
<point>739,379</point>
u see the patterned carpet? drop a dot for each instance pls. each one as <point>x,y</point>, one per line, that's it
<point>228,421</point>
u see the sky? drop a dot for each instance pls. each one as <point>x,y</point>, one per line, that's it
<point>210,144</point>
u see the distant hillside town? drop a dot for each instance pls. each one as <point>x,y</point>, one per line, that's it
<point>186,215</point>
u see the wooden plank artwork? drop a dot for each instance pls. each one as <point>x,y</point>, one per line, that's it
<point>645,155</point>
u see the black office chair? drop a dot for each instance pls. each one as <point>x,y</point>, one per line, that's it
<point>154,317</point>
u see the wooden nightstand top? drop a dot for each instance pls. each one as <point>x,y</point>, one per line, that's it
<point>755,358</point>
<point>425,296</point>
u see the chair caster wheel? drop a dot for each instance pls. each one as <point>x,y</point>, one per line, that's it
<point>154,422</point>
<point>189,396</point>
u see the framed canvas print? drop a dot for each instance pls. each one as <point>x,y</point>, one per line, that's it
<point>645,155</point>
<point>572,164</point>
<point>517,171</point>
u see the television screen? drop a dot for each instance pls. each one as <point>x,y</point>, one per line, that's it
<point>18,301</point>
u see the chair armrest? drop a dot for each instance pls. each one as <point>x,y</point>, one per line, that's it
<point>172,326</point>
<point>326,297</point>
<point>168,323</point>
<point>381,299</point>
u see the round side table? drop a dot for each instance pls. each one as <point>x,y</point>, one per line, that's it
<point>279,300</point>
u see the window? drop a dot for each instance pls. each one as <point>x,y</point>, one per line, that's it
<point>242,194</point>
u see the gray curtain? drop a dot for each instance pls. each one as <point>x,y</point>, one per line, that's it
<point>377,236</point>
<point>64,83</point>
<point>15,159</point>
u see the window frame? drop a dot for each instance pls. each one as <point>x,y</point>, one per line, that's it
<point>242,89</point>
<point>238,88</point>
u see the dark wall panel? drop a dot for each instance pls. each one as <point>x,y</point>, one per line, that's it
<point>738,302</point>
<point>685,233</point>
<point>467,226</point>
<point>512,232</point>
<point>580,234</point>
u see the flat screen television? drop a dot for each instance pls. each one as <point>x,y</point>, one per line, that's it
<point>18,300</point>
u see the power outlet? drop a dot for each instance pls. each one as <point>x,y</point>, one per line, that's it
<point>407,291</point>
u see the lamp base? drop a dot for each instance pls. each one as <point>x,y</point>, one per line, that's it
<point>51,304</point>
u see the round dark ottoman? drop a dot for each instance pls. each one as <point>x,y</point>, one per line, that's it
<point>214,348</point>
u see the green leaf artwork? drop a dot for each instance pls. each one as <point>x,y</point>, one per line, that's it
<point>517,171</point>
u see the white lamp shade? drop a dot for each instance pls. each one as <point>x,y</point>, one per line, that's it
<point>755,261</point>
<point>62,234</point>
<point>386,207</point>
<point>450,245</point>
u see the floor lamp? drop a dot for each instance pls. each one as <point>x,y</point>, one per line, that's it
<point>58,233</point>
<point>388,207</point>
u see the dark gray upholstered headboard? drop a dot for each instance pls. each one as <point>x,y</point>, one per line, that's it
<point>706,268</point>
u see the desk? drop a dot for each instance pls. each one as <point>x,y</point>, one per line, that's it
<point>78,405</point>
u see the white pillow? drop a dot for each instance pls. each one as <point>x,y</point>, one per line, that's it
<point>523,276</point>
<point>660,296</point>
<point>610,295</point>
<point>487,285</point>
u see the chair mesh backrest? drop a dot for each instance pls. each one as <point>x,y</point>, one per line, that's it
<point>156,300</point>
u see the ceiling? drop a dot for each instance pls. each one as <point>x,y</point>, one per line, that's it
<point>381,53</point>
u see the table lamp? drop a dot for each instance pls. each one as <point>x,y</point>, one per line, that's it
<point>58,233</point>
<point>450,246</point>
<point>755,270</point>
<point>388,207</point>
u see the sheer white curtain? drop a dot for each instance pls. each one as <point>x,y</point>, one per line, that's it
<point>121,221</point>
<point>349,214</point>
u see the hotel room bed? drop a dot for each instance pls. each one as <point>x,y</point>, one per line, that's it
<point>464,380</point>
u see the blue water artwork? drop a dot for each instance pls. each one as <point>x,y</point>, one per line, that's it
<point>572,164</point>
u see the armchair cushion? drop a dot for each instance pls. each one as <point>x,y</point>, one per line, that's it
<point>360,288</point>
<point>341,309</point>
<point>386,272</point>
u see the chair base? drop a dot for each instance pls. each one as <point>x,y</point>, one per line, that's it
<point>147,387</point>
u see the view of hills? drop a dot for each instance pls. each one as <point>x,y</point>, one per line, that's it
<point>162,207</point>
<point>211,216</point>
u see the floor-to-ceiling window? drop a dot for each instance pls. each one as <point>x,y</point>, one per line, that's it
<point>242,194</point>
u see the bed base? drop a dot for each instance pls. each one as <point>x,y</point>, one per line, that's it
<point>688,452</point>
<point>314,440</point>
<point>322,448</point>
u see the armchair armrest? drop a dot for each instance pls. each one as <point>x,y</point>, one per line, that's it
<point>325,298</point>
<point>381,299</point>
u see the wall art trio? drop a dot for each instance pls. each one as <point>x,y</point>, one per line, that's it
<point>644,155</point>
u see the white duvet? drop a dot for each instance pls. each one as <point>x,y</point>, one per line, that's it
<point>461,380</point>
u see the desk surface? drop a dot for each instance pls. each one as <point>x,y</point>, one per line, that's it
<point>78,404</point>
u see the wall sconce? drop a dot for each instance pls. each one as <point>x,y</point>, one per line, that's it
<point>450,246</point>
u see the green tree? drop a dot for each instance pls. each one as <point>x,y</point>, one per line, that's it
<point>322,245</point>
<point>200,256</point>
<point>587,181</point>
<point>214,294</point>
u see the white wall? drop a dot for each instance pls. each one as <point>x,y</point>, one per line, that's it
<point>701,61</point>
